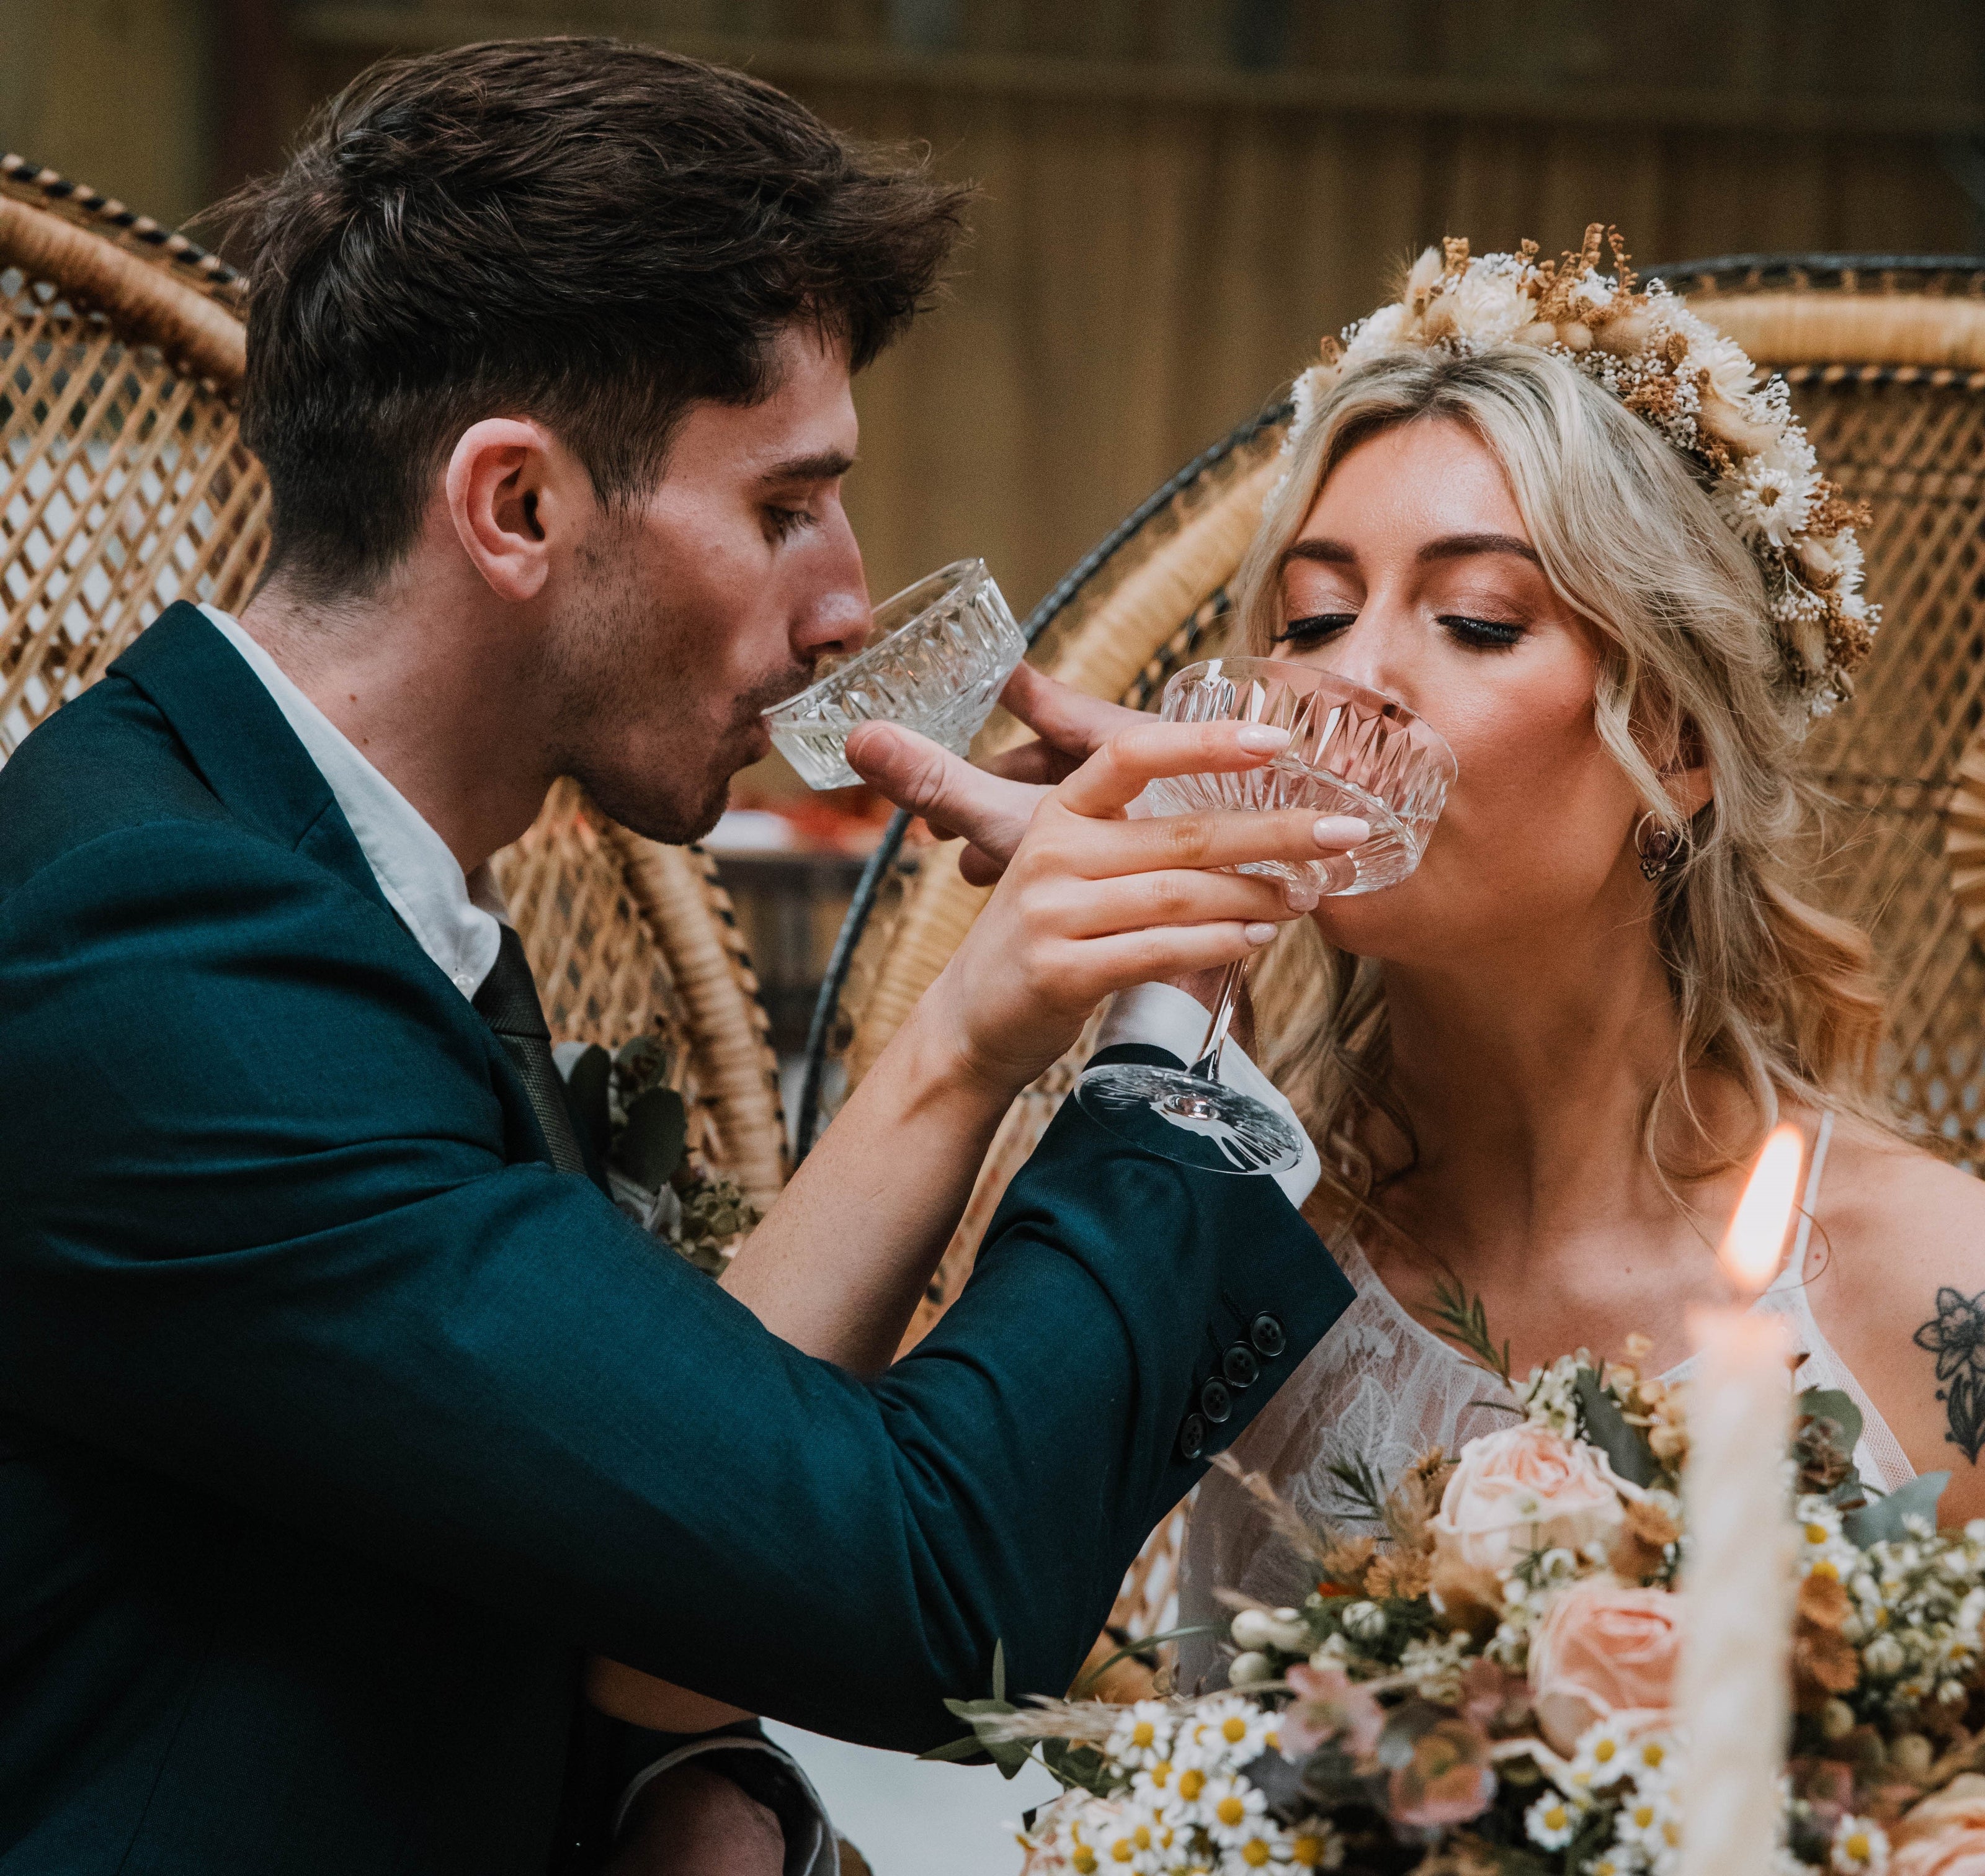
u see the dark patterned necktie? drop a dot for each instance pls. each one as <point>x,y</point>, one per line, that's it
<point>507,1002</point>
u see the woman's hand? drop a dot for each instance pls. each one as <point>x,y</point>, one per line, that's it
<point>1091,902</point>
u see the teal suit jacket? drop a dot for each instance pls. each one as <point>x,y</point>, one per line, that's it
<point>335,1425</point>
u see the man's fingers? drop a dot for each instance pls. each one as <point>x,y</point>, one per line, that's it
<point>917,774</point>
<point>978,867</point>
<point>1034,761</point>
<point>1067,720</point>
<point>1119,772</point>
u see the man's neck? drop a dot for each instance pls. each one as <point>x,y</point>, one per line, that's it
<point>434,695</point>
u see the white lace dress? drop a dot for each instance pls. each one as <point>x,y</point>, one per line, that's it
<point>1381,1388</point>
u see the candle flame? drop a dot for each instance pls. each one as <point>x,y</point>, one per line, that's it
<point>1757,1230</point>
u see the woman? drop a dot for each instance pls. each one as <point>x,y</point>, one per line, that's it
<point>1553,516</point>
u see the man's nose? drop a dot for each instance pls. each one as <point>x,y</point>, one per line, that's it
<point>834,619</point>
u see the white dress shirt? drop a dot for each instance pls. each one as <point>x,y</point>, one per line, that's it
<point>456,919</point>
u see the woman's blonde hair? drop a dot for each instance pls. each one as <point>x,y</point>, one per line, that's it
<point>1773,992</point>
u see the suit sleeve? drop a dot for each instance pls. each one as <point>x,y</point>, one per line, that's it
<point>264,1239</point>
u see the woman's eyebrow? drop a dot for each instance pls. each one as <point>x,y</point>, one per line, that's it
<point>1335,552</point>
<point>1461,547</point>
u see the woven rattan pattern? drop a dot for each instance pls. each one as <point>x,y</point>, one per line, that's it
<point>602,978</point>
<point>1889,760</point>
<point>123,486</point>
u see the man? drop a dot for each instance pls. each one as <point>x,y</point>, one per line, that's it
<point>341,1415</point>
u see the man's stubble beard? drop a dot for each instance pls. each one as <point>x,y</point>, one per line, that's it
<point>615,646</point>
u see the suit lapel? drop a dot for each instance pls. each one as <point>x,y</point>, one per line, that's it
<point>240,742</point>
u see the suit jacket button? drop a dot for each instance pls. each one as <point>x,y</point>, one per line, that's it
<point>1215,1402</point>
<point>1192,1438</point>
<point>1268,1337</point>
<point>1239,1366</point>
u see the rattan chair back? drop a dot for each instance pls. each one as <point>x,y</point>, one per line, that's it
<point>125,485</point>
<point>1887,362</point>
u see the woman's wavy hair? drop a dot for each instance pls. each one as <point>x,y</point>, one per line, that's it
<point>1773,992</point>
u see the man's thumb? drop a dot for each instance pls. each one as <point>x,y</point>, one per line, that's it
<point>915,773</point>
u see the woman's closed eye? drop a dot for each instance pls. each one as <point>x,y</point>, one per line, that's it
<point>1483,634</point>
<point>1315,628</point>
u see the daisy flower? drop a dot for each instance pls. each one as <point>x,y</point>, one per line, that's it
<point>1860,1847</point>
<point>1142,1737</point>
<point>1227,1731</point>
<point>1315,1844</point>
<point>1231,1811</point>
<point>1551,1822</point>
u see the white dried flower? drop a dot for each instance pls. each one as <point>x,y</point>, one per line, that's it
<point>1552,1821</point>
<point>1860,1847</point>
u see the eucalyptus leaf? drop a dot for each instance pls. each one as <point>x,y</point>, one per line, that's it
<point>1834,1405</point>
<point>587,1087</point>
<point>1882,1518</point>
<point>1079,1765</point>
<point>650,1146</point>
<point>1607,1427</point>
<point>1009,1755</point>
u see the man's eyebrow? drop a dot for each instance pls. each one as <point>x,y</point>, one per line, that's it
<point>1460,547</point>
<point>823,466</point>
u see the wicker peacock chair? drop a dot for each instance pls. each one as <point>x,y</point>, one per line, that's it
<point>124,485</point>
<point>1886,358</point>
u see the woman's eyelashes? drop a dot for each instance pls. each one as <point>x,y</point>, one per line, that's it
<point>1315,628</point>
<point>1482,634</point>
<point>1464,629</point>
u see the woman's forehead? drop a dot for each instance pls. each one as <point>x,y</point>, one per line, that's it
<point>1430,479</point>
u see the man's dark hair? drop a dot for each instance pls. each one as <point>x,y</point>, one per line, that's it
<point>589,233</point>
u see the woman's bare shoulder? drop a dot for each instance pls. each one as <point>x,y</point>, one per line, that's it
<point>1897,1277</point>
<point>1883,1194</point>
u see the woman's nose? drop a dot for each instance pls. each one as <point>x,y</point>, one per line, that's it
<point>1374,653</point>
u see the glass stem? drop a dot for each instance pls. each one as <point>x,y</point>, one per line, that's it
<point>1207,1067</point>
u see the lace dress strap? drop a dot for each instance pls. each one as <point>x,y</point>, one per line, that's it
<point>1879,1454</point>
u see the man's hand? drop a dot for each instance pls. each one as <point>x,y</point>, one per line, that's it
<point>1092,902</point>
<point>1069,729</point>
<point>691,1821</point>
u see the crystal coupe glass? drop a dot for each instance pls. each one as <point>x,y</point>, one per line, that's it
<point>940,652</point>
<point>1350,751</point>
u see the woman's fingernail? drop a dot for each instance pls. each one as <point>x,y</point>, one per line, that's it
<point>1259,932</point>
<point>1263,738</point>
<point>1304,898</point>
<point>1341,830</point>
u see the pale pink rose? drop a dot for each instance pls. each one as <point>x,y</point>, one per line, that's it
<point>1604,1650</point>
<point>1329,1706</point>
<point>1527,1488</point>
<point>1944,1835</point>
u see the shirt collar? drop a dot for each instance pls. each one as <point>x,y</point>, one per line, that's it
<point>453,918</point>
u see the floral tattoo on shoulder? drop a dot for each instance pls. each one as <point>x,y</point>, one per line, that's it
<point>1955,1336</point>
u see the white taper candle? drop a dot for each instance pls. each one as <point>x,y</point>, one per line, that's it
<point>1738,1582</point>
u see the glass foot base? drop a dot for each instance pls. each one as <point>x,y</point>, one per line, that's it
<point>1188,1119</point>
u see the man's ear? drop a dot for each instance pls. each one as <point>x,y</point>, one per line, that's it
<point>513,491</point>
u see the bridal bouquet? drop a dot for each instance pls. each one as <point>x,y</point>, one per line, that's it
<point>1483,1678</point>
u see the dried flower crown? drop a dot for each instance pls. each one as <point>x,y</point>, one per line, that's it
<point>1696,387</point>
